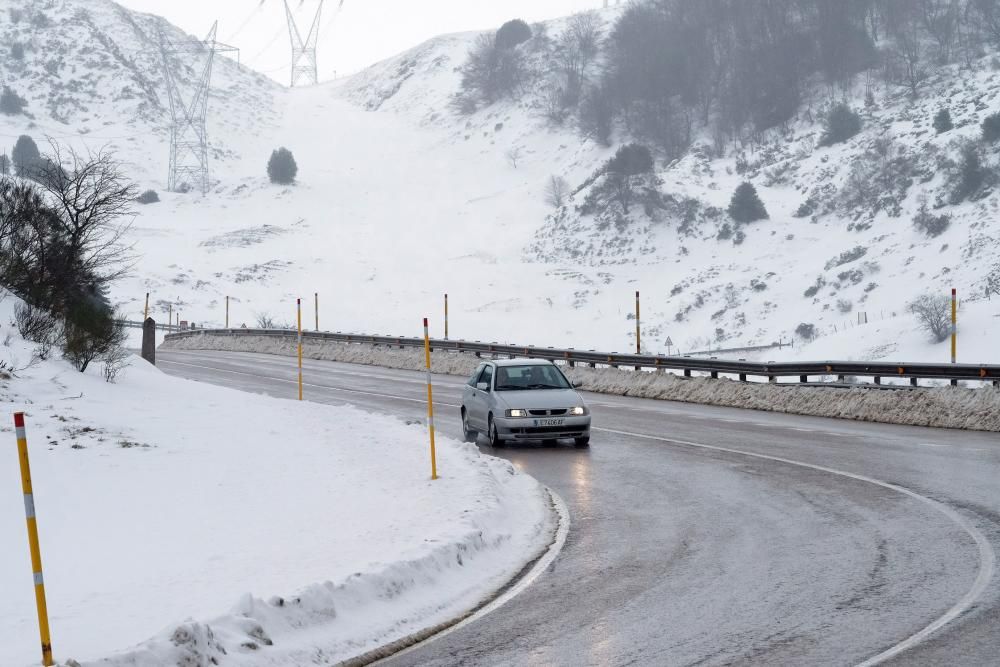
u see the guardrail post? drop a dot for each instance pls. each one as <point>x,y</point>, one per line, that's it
<point>913,382</point>
<point>145,310</point>
<point>227,312</point>
<point>687,372</point>
<point>743,377</point>
<point>715,375</point>
<point>804,379</point>
<point>316,295</point>
<point>878,380</point>
<point>446,317</point>
<point>36,555</point>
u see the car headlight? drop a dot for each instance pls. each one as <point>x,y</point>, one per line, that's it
<point>517,413</point>
<point>578,411</point>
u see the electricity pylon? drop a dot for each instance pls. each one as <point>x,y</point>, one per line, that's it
<point>188,130</point>
<point>305,66</point>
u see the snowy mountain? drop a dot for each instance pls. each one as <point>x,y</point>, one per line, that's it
<point>402,196</point>
<point>91,73</point>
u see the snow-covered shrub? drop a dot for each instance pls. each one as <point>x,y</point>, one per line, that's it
<point>92,331</point>
<point>25,155</point>
<point>840,124</point>
<point>625,179</point>
<point>725,232</point>
<point>845,305</point>
<point>11,104</point>
<point>597,114</point>
<point>933,312</point>
<point>815,288</point>
<point>492,72</point>
<point>37,326</point>
<point>512,33</point>
<point>971,176</point>
<point>879,179</point>
<point>746,206</point>
<point>991,128</point>
<point>930,224</point>
<point>148,197</point>
<point>847,257</point>
<point>281,168</point>
<point>115,361</point>
<point>942,121</point>
<point>806,331</point>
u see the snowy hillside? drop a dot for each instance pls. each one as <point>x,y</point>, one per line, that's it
<point>402,197</point>
<point>91,73</point>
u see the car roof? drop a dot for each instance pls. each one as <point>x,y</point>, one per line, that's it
<point>521,362</point>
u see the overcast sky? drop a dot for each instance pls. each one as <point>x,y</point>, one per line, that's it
<point>362,33</point>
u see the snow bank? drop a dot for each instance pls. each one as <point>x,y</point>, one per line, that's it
<point>945,407</point>
<point>233,528</point>
<point>408,359</point>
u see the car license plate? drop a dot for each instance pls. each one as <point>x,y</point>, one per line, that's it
<point>549,422</point>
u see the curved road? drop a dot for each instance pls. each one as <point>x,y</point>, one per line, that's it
<point>714,536</point>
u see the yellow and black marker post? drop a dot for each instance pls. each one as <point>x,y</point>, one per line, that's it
<point>430,399</point>
<point>300,347</point>
<point>954,326</point>
<point>36,556</point>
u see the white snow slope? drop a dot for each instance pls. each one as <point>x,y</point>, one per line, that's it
<point>400,199</point>
<point>186,524</point>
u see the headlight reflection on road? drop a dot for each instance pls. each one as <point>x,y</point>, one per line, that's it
<point>581,480</point>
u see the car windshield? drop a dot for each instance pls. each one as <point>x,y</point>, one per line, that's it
<point>514,378</point>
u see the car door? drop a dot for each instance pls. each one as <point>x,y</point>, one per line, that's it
<point>479,405</point>
<point>469,392</point>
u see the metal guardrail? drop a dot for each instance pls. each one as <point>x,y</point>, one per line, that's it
<point>129,324</point>
<point>802,370</point>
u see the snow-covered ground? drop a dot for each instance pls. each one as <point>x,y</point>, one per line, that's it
<point>180,520</point>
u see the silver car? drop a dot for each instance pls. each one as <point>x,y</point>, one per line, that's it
<point>520,399</point>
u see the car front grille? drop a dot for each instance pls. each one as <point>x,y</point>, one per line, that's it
<point>548,413</point>
<point>568,431</point>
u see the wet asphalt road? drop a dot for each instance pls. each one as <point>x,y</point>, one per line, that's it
<point>690,544</point>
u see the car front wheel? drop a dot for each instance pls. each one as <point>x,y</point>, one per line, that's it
<point>469,434</point>
<point>495,440</point>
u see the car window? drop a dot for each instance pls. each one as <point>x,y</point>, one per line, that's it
<point>536,376</point>
<point>487,376</point>
<point>475,376</point>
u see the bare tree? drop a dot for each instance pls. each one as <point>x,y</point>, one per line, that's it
<point>513,155</point>
<point>265,321</point>
<point>933,311</point>
<point>94,202</point>
<point>556,191</point>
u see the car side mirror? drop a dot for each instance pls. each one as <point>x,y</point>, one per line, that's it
<point>483,386</point>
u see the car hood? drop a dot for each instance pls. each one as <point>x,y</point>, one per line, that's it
<point>541,399</point>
